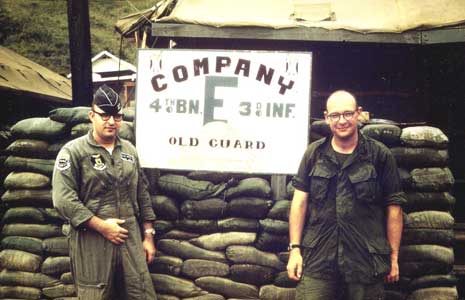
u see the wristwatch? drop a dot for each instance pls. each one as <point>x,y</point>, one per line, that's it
<point>293,246</point>
<point>150,231</point>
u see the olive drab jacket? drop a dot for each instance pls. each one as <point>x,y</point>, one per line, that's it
<point>88,181</point>
<point>345,230</point>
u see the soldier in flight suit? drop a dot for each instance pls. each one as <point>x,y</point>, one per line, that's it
<point>99,188</point>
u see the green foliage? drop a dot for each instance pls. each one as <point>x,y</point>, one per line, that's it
<point>38,29</point>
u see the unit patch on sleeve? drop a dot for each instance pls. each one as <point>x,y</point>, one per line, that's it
<point>63,164</point>
<point>98,162</point>
<point>127,157</point>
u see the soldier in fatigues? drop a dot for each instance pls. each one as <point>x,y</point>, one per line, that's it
<point>99,188</point>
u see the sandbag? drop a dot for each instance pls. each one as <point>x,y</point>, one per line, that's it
<point>162,226</point>
<point>56,146</point>
<point>195,268</point>
<point>274,226</point>
<point>61,290</point>
<point>24,243</point>
<point>251,255</point>
<point>164,264</point>
<point>70,115</point>
<point>199,226</point>
<point>420,157</point>
<point>186,250</point>
<point>271,242</point>
<point>56,265</point>
<point>165,207</point>
<point>220,241</point>
<point>206,297</point>
<point>26,180</point>
<point>252,274</point>
<point>238,224</point>
<point>280,210</point>
<point>427,281</point>
<point>32,230</point>
<point>80,129</point>
<point>289,190</point>
<point>183,288</point>
<point>29,148</point>
<point>320,127</point>
<point>179,186</point>
<point>283,280</point>
<point>434,293</point>
<point>424,136</point>
<point>419,260</point>
<point>429,201</point>
<point>167,297</point>
<point>67,278</point>
<point>429,219</point>
<point>213,208</point>
<point>176,234</point>
<point>442,237</point>
<point>432,179</point>
<point>248,207</point>
<point>271,292</point>
<point>36,198</point>
<point>252,187</point>
<point>17,260</point>
<point>19,278</point>
<point>56,246</point>
<point>213,177</point>
<point>19,292</point>
<point>387,134</point>
<point>24,215</point>
<point>39,128</point>
<point>36,165</point>
<point>406,180</point>
<point>227,287</point>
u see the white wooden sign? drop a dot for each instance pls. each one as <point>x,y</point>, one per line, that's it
<point>231,111</point>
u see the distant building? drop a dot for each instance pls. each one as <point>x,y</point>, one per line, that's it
<point>119,74</point>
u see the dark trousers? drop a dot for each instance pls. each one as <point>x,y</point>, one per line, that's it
<point>322,289</point>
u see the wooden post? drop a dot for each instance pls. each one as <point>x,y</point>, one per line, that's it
<point>80,54</point>
<point>144,39</point>
<point>278,187</point>
<point>136,38</point>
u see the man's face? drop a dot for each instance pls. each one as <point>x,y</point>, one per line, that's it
<point>105,126</point>
<point>341,116</point>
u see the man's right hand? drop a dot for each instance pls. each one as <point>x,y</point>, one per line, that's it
<point>113,232</point>
<point>294,265</point>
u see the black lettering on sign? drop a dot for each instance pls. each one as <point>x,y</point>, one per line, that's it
<point>244,66</point>
<point>180,73</point>
<point>201,65</point>
<point>157,86</point>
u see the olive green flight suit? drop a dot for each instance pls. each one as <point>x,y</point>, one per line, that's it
<point>88,181</point>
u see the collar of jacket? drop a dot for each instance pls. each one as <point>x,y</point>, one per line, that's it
<point>360,150</point>
<point>91,140</point>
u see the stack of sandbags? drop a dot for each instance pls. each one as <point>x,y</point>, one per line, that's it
<point>34,256</point>
<point>426,255</point>
<point>219,238</point>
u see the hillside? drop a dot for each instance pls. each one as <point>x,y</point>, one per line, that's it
<point>38,29</point>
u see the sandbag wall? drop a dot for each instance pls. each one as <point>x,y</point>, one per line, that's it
<point>426,255</point>
<point>220,237</point>
<point>34,260</point>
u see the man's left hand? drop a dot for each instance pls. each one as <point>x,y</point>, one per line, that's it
<point>149,249</point>
<point>393,275</point>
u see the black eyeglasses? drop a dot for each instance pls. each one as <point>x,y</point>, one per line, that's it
<point>348,115</point>
<point>106,117</point>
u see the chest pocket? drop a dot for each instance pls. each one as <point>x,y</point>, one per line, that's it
<point>364,182</point>
<point>320,177</point>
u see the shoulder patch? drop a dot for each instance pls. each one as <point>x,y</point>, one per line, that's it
<point>127,157</point>
<point>63,164</point>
